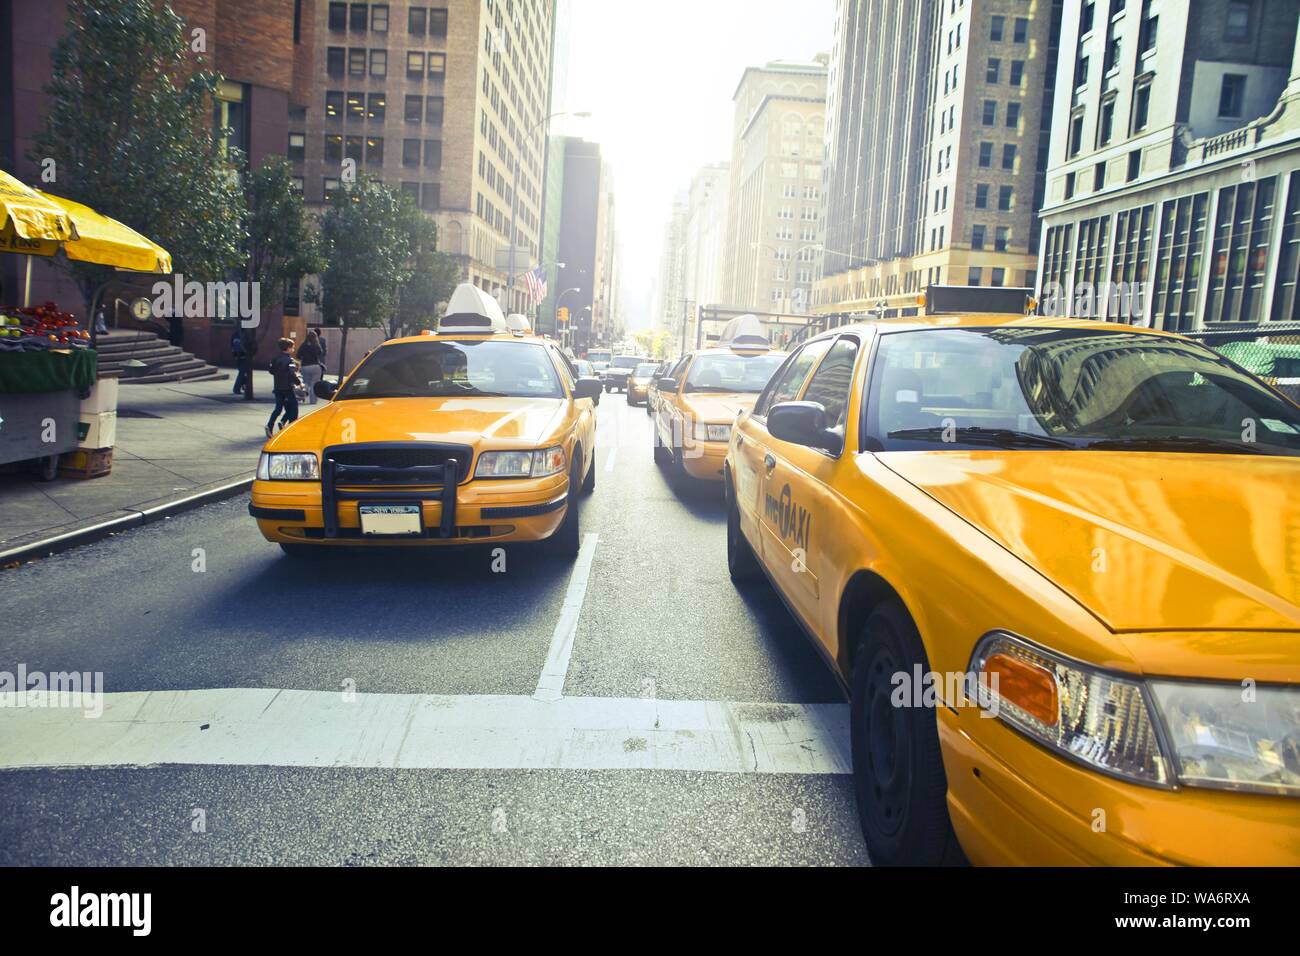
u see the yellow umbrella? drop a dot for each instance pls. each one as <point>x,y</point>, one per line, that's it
<point>107,242</point>
<point>27,218</point>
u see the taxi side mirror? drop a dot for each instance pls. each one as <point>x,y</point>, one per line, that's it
<point>325,390</point>
<point>589,388</point>
<point>666,385</point>
<point>804,423</point>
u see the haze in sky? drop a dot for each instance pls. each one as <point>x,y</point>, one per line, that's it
<point>658,79</point>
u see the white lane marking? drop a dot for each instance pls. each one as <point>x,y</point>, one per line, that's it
<point>609,459</point>
<point>301,728</point>
<point>550,686</point>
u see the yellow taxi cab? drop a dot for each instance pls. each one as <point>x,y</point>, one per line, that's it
<point>479,433</point>
<point>638,383</point>
<point>652,389</point>
<point>698,399</point>
<point>1056,564</point>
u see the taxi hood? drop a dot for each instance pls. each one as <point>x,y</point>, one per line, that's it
<point>718,408</point>
<point>1168,541</point>
<point>479,421</point>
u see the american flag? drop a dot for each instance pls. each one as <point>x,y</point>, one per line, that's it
<point>536,282</point>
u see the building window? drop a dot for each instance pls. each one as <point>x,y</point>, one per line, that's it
<point>974,275</point>
<point>354,148</point>
<point>1239,252</point>
<point>1134,165</point>
<point>1017,72</point>
<point>356,106</point>
<point>1141,105</point>
<point>999,277</point>
<point>1150,27</point>
<point>433,108</point>
<point>378,62</point>
<point>996,27</point>
<point>374,151</point>
<point>1237,27</point>
<point>411,152</point>
<point>990,112</point>
<point>338,16</point>
<point>1013,116</point>
<point>359,18</point>
<point>1106,121</point>
<point>379,18</point>
<point>333,148</point>
<point>1009,156</point>
<point>376,106</point>
<point>1098,177</point>
<point>977,237</point>
<point>414,111</point>
<point>335,60</point>
<point>1178,273</point>
<point>437,65</point>
<point>1021,32</point>
<point>986,155</point>
<point>1232,95</point>
<point>297,184</point>
<point>356,62</point>
<point>1002,239</point>
<point>329,187</point>
<point>433,154</point>
<point>1069,185</point>
<point>414,64</point>
<point>1006,198</point>
<point>1086,17</point>
<point>417,19</point>
<point>297,147</point>
<point>438,22</point>
<point>412,190</point>
<point>993,70</point>
<point>429,197</point>
<point>334,104</point>
<point>981,196</point>
<point>1076,132</point>
<point>1081,72</point>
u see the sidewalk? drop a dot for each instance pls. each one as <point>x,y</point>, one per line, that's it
<point>174,441</point>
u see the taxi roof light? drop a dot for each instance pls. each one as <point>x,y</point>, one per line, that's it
<point>472,310</point>
<point>744,332</point>
<point>518,324</point>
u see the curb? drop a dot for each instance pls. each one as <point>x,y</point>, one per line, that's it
<point>96,529</point>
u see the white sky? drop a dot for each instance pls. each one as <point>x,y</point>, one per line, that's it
<point>658,79</point>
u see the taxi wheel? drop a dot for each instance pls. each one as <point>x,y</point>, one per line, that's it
<point>897,767</point>
<point>661,453</point>
<point>567,538</point>
<point>589,483</point>
<point>742,564</point>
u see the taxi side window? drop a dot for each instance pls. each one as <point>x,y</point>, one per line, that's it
<point>785,386</point>
<point>678,370</point>
<point>567,371</point>
<point>833,380</point>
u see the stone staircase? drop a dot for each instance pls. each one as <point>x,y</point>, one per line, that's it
<point>120,350</point>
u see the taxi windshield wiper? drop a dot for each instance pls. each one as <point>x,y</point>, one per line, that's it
<point>1191,443</point>
<point>976,435</point>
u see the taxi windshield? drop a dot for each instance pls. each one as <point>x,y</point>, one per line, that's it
<point>1070,388</point>
<point>645,370</point>
<point>449,368</point>
<point>626,361</point>
<point>731,373</point>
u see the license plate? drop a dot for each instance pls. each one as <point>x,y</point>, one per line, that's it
<point>391,519</point>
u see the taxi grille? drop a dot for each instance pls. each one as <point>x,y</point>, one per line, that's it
<point>393,472</point>
<point>398,458</point>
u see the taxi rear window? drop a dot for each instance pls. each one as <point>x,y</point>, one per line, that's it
<point>448,368</point>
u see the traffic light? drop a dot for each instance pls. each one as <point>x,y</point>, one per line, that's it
<point>562,316</point>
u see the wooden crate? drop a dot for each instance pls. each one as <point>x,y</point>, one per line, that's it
<point>86,463</point>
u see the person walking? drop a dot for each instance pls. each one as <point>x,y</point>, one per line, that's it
<point>237,353</point>
<point>285,384</point>
<point>245,357</point>
<point>312,361</point>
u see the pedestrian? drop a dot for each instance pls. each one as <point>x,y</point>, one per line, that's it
<point>244,359</point>
<point>312,360</point>
<point>286,382</point>
<point>237,353</point>
<point>324,350</point>
<point>101,321</point>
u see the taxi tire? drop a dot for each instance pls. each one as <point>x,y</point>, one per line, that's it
<point>661,453</point>
<point>898,775</point>
<point>589,483</point>
<point>742,563</point>
<point>567,538</point>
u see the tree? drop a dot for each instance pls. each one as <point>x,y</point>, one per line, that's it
<point>431,278</point>
<point>368,250</point>
<point>282,246</point>
<point>129,133</point>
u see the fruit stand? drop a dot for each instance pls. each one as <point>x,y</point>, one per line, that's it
<point>41,391</point>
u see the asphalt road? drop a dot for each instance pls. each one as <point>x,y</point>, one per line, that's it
<point>712,776</point>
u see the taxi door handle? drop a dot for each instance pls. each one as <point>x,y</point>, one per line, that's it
<point>769,462</point>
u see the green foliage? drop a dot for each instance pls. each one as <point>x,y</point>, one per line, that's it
<point>432,277</point>
<point>282,246</point>
<point>129,131</point>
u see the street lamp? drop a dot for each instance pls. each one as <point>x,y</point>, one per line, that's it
<point>555,319</point>
<point>514,198</point>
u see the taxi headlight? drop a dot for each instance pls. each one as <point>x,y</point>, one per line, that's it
<point>1233,736</point>
<point>520,464</point>
<point>295,467</point>
<point>1099,719</point>
<point>705,432</point>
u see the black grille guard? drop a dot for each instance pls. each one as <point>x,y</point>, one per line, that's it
<point>335,473</point>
